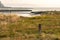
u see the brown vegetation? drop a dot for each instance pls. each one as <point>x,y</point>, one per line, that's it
<point>13,27</point>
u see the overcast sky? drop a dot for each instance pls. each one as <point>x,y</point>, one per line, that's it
<point>31,3</point>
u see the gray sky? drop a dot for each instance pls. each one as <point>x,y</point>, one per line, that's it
<point>31,3</point>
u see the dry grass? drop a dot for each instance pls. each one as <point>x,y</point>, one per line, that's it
<point>13,27</point>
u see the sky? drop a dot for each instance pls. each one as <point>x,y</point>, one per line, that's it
<point>31,3</point>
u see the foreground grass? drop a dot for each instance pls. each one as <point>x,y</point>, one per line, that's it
<point>13,27</point>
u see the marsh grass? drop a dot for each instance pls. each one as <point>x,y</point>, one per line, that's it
<point>24,28</point>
